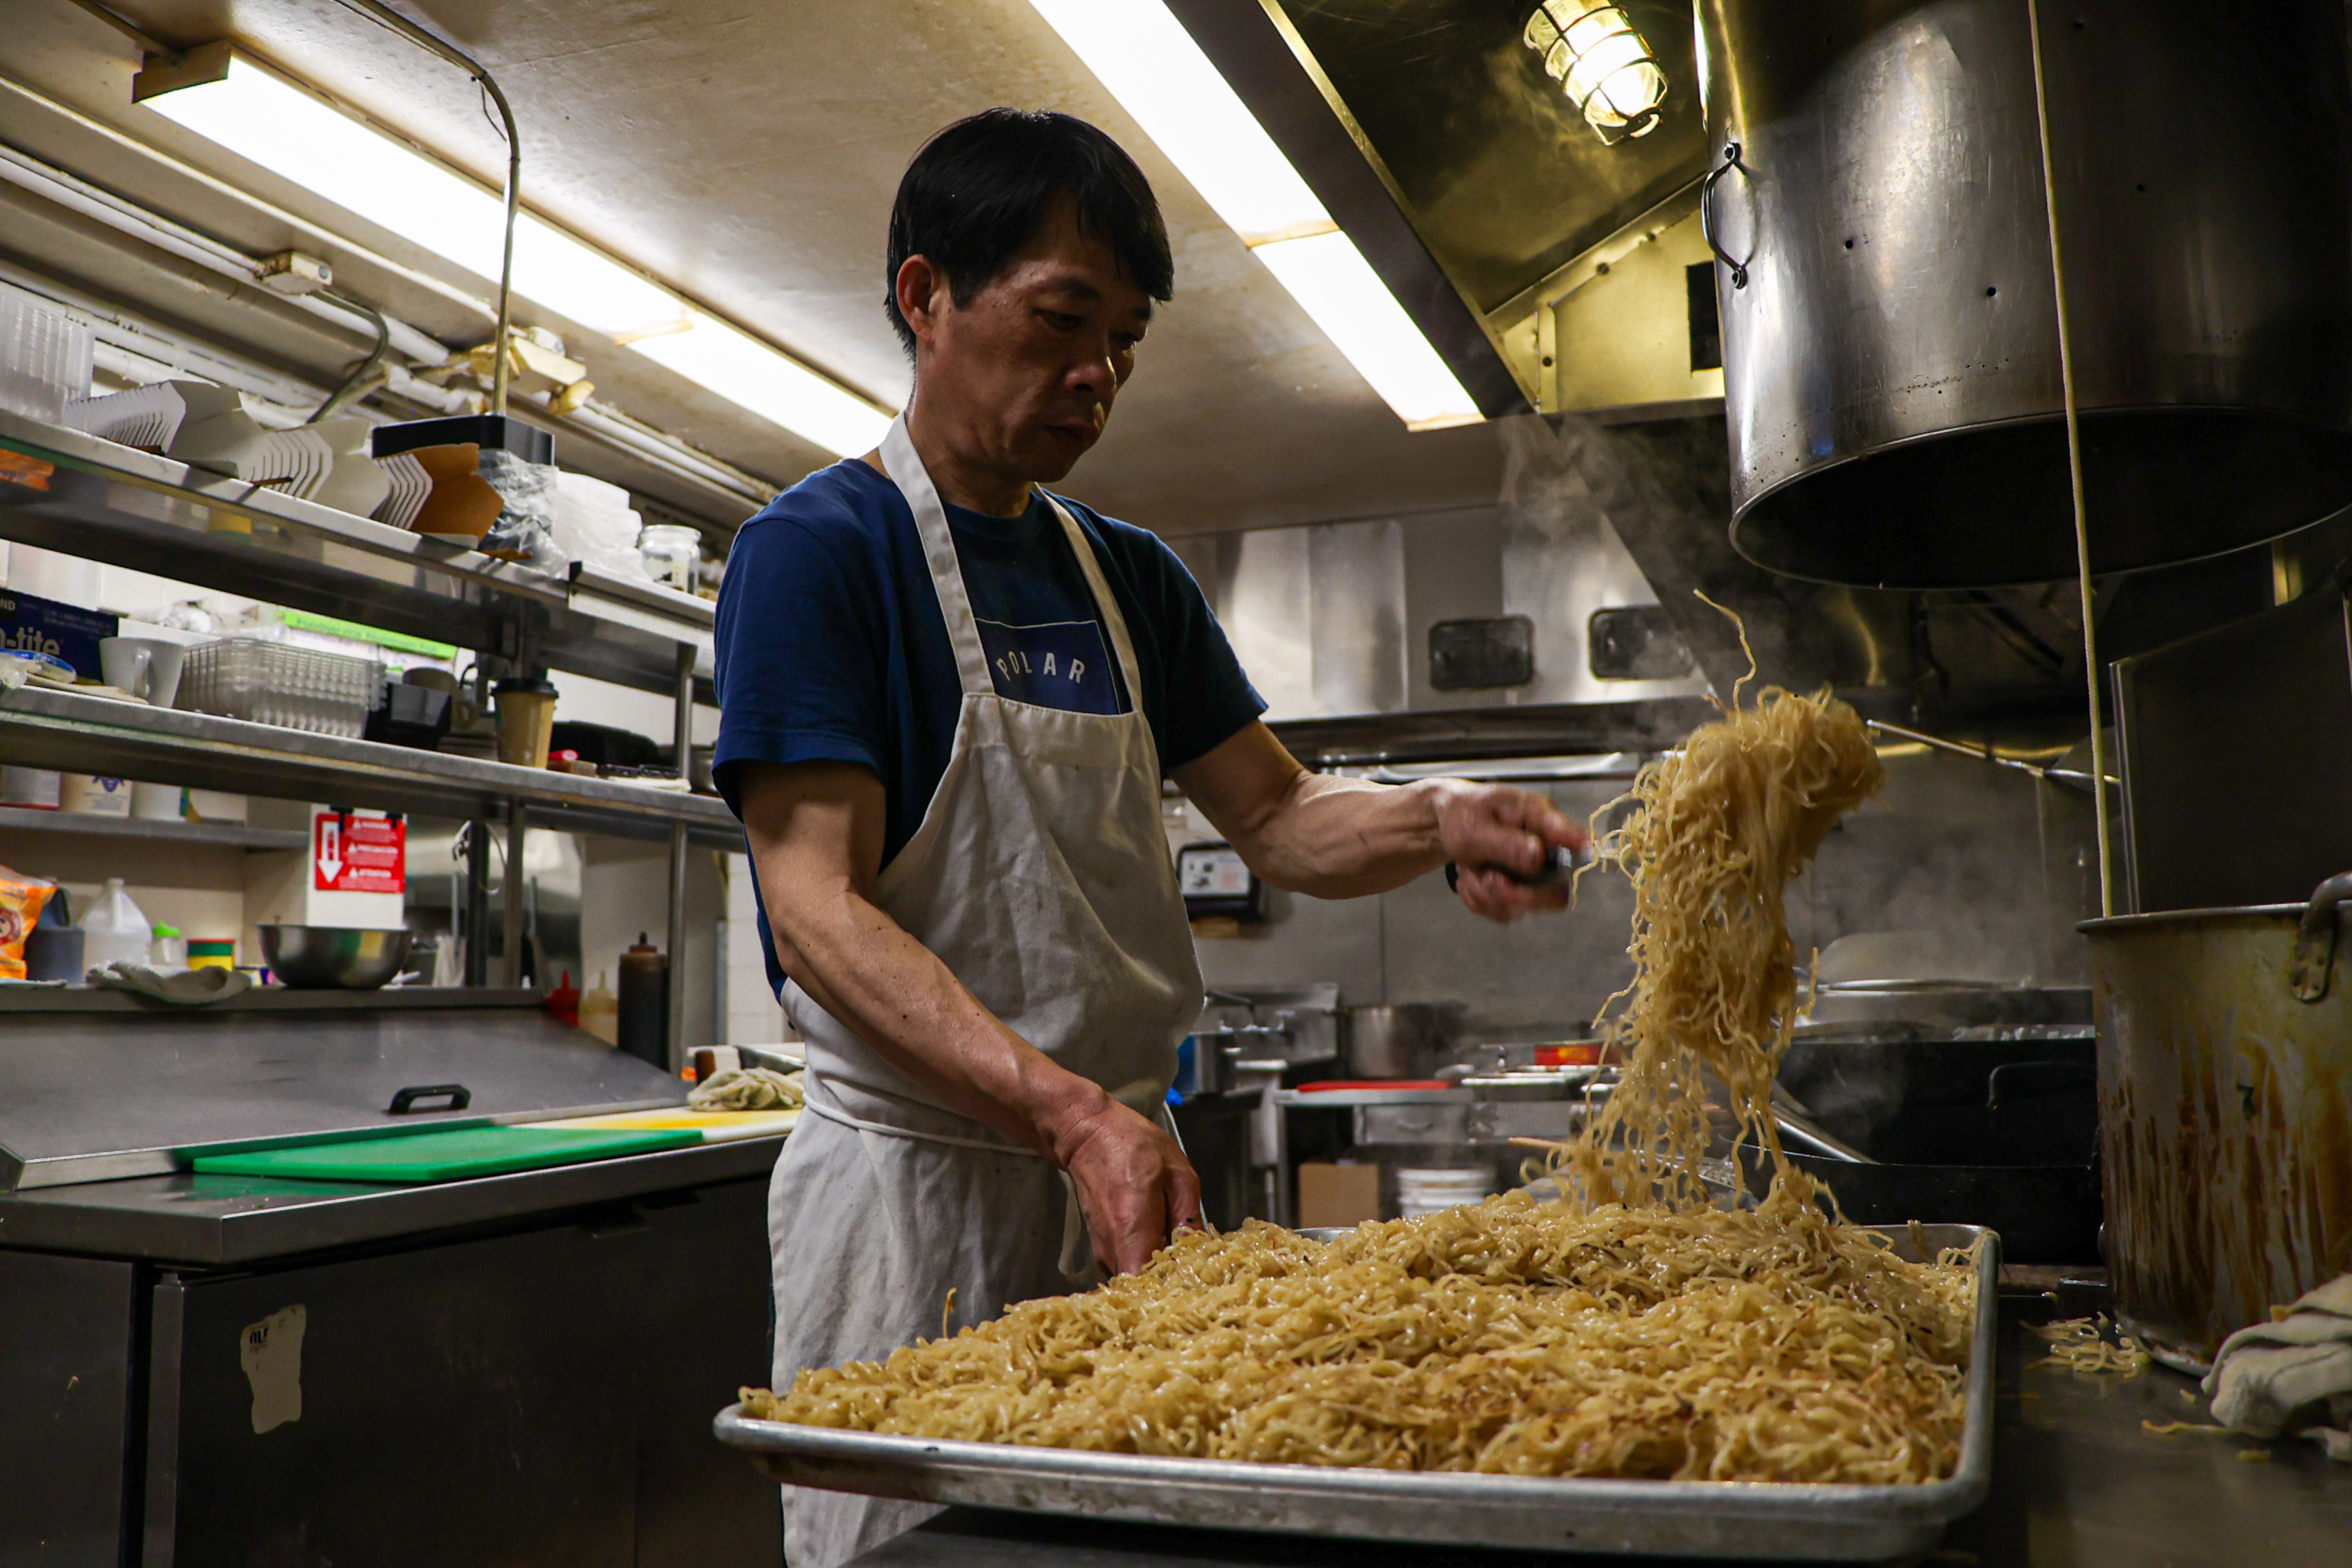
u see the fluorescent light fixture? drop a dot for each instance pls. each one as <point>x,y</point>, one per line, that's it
<point>1150,64</point>
<point>743,370</point>
<point>1371,328</point>
<point>259,116</point>
<point>1158,75</point>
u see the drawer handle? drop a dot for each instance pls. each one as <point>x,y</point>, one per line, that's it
<point>457,1094</point>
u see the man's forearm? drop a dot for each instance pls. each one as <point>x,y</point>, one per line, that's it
<point>1337,839</point>
<point>1342,838</point>
<point>865,970</point>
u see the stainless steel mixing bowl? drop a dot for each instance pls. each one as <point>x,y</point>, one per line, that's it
<point>332,957</point>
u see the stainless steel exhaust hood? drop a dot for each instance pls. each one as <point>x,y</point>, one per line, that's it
<point>1474,186</point>
<point>1889,366</point>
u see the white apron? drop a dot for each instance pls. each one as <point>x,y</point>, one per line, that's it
<point>1040,876</point>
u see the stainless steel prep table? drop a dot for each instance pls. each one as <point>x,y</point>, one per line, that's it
<point>205,1369</point>
<point>95,1085</point>
<point>2076,1484</point>
<point>224,1220</point>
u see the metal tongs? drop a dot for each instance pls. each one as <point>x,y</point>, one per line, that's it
<point>1558,865</point>
<point>1797,1126</point>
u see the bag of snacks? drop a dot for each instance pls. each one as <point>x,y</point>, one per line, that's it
<point>22,899</point>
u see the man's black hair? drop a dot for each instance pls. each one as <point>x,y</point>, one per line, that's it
<point>979,189</point>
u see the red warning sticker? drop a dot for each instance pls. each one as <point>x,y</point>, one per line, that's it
<point>357,853</point>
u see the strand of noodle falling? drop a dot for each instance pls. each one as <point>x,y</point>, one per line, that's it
<point>1720,827</point>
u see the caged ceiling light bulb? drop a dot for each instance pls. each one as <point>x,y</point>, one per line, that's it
<point>1591,48</point>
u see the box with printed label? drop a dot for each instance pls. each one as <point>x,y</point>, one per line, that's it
<point>63,631</point>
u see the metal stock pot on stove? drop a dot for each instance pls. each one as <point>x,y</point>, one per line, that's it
<point>2225,1112</point>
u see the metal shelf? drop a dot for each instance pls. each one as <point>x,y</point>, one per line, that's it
<point>266,999</point>
<point>43,728</point>
<point>1466,734</point>
<point>93,499</point>
<point>235,835</point>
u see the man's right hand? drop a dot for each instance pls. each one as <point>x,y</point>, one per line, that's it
<point>1135,1185</point>
<point>815,831</point>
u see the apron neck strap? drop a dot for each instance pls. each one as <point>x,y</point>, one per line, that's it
<point>1106,605</point>
<point>905,466</point>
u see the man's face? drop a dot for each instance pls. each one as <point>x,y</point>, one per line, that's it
<point>1026,371</point>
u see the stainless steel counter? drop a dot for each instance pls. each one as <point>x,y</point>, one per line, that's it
<point>2077,1483</point>
<point>192,1219</point>
<point>89,1095</point>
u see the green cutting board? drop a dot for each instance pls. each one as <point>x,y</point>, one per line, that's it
<point>446,1156</point>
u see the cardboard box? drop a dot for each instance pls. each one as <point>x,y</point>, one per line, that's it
<point>62,631</point>
<point>1337,1195</point>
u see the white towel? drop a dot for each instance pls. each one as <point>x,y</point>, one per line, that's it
<point>2293,1374</point>
<point>746,1089</point>
<point>182,987</point>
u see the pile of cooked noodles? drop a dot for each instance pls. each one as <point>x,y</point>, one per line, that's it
<point>1516,1336</point>
<point>1633,1330</point>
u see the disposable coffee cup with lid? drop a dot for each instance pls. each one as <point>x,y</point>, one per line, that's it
<point>526,720</point>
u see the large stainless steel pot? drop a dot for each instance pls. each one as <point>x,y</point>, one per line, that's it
<point>1889,336</point>
<point>1400,1040</point>
<point>2225,1112</point>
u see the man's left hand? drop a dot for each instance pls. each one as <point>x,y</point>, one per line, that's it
<point>1490,828</point>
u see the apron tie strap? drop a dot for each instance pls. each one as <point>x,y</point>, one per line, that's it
<point>834,1113</point>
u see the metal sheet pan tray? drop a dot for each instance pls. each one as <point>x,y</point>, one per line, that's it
<point>1749,1521</point>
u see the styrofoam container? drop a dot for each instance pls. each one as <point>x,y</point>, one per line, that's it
<point>158,803</point>
<point>38,788</point>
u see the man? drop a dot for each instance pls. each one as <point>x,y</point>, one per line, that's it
<point>949,702</point>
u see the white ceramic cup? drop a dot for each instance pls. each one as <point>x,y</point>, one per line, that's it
<point>144,667</point>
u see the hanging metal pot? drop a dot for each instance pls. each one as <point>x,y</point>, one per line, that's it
<point>2225,1112</point>
<point>1891,362</point>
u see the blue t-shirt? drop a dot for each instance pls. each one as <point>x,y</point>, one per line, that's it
<point>831,645</point>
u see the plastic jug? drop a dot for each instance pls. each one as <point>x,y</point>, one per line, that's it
<point>115,929</point>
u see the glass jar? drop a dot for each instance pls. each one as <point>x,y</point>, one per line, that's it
<point>670,553</point>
